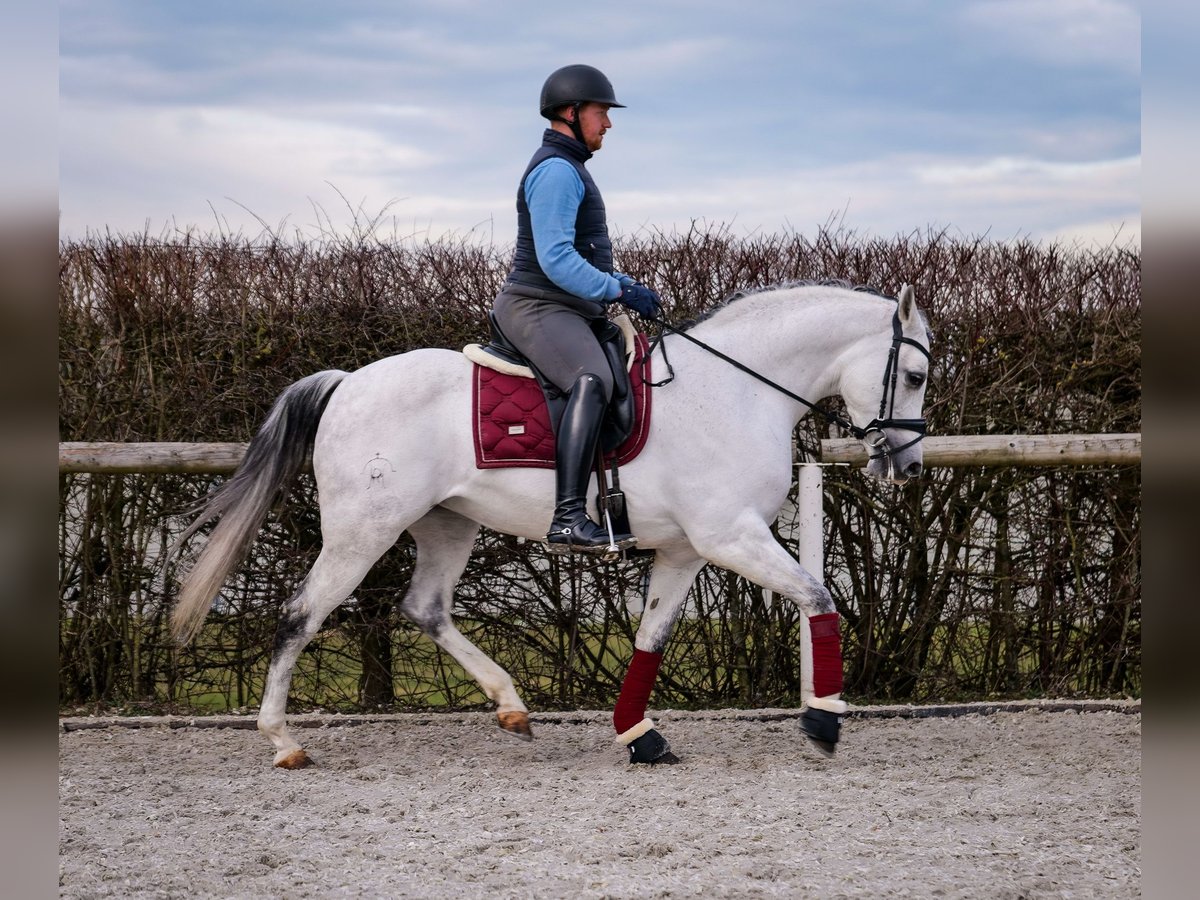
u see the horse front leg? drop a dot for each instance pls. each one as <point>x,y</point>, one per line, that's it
<point>670,580</point>
<point>749,549</point>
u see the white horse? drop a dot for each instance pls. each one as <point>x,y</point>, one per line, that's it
<point>392,452</point>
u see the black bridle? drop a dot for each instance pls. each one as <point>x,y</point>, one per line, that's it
<point>873,433</point>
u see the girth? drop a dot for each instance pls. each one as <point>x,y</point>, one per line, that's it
<point>618,417</point>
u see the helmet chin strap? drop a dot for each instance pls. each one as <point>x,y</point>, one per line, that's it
<point>576,128</point>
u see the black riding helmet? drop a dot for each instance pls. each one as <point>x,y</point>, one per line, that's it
<point>573,86</point>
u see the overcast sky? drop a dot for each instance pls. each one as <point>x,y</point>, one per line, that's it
<point>1010,118</point>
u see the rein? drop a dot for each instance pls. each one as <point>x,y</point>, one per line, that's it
<point>891,375</point>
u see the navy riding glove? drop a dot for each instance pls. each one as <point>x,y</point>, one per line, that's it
<point>641,300</point>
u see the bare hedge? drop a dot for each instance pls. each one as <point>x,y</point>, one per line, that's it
<point>975,583</point>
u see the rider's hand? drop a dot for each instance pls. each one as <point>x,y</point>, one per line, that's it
<point>641,300</point>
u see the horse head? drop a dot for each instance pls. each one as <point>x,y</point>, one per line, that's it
<point>891,406</point>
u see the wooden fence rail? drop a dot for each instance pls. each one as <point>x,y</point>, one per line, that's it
<point>980,450</point>
<point>1009,450</point>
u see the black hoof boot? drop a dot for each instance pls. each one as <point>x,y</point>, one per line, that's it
<point>823,728</point>
<point>652,748</point>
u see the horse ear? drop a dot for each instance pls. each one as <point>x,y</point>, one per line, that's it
<point>907,303</point>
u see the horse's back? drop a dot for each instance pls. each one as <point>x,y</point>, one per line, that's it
<point>416,383</point>
<point>425,362</point>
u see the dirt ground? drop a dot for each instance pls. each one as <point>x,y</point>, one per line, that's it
<point>1028,803</point>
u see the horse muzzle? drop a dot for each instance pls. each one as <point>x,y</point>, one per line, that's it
<point>890,462</point>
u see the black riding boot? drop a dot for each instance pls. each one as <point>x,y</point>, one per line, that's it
<point>575,452</point>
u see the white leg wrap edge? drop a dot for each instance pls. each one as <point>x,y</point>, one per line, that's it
<point>829,704</point>
<point>626,738</point>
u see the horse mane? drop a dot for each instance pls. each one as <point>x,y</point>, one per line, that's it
<point>782,286</point>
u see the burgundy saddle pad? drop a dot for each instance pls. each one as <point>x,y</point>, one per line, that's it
<point>511,426</point>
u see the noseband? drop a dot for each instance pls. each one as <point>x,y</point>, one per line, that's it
<point>873,434</point>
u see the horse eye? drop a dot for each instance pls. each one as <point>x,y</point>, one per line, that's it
<point>915,379</point>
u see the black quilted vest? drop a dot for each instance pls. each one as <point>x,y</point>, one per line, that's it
<point>591,225</point>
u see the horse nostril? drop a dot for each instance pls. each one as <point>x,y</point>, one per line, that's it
<point>913,469</point>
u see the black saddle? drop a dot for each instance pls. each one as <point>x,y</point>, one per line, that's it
<point>618,418</point>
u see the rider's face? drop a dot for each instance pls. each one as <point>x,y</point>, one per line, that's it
<point>594,122</point>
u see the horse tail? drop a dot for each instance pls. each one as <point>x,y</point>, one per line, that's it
<point>278,451</point>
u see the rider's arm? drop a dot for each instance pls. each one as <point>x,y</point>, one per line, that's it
<point>553,192</point>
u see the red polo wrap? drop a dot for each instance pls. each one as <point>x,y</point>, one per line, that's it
<point>826,654</point>
<point>635,690</point>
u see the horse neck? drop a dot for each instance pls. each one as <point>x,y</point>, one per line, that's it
<point>799,343</point>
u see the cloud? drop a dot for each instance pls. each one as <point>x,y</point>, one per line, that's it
<point>1009,171</point>
<point>175,165</point>
<point>1120,232</point>
<point>1063,32</point>
<point>897,194</point>
<point>140,162</point>
<point>667,57</point>
<point>1012,117</point>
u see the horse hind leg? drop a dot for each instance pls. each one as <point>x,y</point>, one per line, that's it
<point>444,542</point>
<point>338,570</point>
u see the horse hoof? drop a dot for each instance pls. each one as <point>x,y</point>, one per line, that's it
<point>651,749</point>
<point>825,748</point>
<point>515,723</point>
<point>296,759</point>
<point>822,728</point>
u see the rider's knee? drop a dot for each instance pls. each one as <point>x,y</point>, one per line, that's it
<point>592,381</point>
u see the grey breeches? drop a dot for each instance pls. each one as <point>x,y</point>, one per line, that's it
<point>555,335</point>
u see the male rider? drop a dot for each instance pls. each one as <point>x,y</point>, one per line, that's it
<point>561,280</point>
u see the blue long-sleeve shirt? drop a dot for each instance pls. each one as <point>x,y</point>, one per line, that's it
<point>553,192</point>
